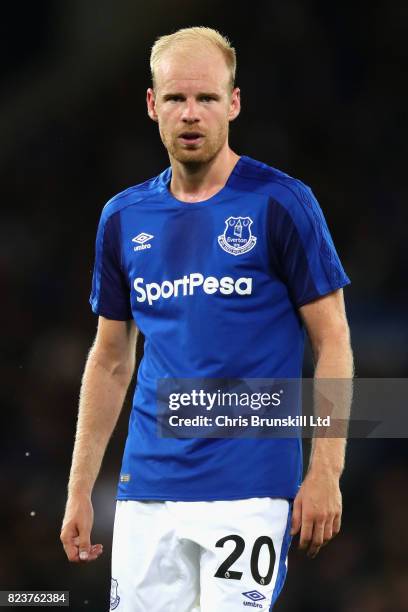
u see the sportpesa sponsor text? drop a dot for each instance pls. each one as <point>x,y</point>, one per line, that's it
<point>187,285</point>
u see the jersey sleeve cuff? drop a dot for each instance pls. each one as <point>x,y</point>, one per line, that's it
<point>316,294</point>
<point>108,314</point>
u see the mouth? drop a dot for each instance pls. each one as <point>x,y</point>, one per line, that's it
<point>191,138</point>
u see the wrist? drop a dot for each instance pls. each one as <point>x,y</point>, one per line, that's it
<point>79,491</point>
<point>321,468</point>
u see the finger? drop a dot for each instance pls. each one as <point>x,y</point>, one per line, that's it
<point>306,533</point>
<point>296,517</point>
<point>68,538</point>
<point>328,531</point>
<point>95,552</point>
<point>84,543</point>
<point>317,538</point>
<point>315,552</point>
<point>72,552</point>
<point>336,525</point>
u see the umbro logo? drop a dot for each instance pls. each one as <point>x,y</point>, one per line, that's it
<point>254,596</point>
<point>141,239</point>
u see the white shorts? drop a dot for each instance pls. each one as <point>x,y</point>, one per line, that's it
<point>211,556</point>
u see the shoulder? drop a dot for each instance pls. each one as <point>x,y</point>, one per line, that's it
<point>132,196</point>
<point>284,190</point>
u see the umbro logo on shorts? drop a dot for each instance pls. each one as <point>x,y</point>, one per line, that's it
<point>254,596</point>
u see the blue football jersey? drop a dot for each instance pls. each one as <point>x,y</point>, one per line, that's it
<point>215,287</point>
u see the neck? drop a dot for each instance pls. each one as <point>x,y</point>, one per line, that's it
<point>197,182</point>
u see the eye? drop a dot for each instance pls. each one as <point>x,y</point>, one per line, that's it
<point>174,98</point>
<point>206,98</point>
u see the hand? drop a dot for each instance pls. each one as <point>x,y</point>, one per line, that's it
<point>76,531</point>
<point>317,511</point>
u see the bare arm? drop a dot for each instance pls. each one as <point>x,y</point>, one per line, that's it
<point>106,378</point>
<point>326,323</point>
<point>317,507</point>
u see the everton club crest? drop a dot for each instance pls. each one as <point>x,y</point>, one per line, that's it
<point>237,237</point>
<point>114,597</point>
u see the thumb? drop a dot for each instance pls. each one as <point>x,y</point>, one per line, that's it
<point>84,545</point>
<point>296,517</point>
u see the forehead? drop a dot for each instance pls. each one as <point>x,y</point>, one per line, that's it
<point>190,66</point>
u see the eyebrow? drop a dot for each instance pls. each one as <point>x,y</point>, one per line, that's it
<point>201,94</point>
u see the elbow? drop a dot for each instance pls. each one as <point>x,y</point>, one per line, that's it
<point>118,369</point>
<point>335,340</point>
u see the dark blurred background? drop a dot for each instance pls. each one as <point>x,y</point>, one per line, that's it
<point>324,99</point>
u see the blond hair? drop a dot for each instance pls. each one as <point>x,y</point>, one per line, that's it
<point>194,34</point>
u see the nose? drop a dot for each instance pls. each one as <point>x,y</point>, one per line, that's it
<point>190,111</point>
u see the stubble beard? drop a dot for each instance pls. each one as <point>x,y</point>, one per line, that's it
<point>195,157</point>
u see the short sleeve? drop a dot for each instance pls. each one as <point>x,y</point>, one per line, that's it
<point>303,249</point>
<point>110,296</point>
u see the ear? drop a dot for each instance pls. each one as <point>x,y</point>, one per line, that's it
<point>235,104</point>
<point>151,104</point>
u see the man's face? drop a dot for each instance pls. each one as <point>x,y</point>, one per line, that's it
<point>192,103</point>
